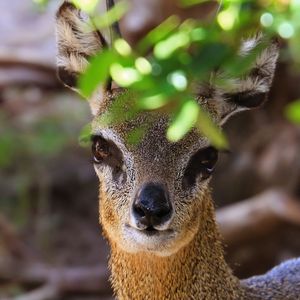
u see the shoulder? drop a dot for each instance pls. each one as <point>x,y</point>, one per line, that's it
<point>281,282</point>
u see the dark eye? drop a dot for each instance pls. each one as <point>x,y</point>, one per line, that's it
<point>100,149</point>
<point>106,153</point>
<point>202,164</point>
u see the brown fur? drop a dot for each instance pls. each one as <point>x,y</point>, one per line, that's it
<point>184,260</point>
<point>197,271</point>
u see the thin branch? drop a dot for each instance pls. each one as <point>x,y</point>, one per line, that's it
<point>257,216</point>
<point>65,279</point>
<point>47,292</point>
<point>28,59</point>
<point>24,67</point>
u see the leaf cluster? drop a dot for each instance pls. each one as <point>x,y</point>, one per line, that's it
<point>164,66</point>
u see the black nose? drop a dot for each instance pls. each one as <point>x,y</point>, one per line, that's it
<point>152,206</point>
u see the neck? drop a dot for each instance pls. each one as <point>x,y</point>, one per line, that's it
<point>197,271</point>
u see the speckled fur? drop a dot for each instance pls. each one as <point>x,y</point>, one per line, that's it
<point>280,283</point>
<point>77,40</point>
<point>196,271</point>
<point>188,263</point>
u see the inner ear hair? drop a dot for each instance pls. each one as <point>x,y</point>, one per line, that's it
<point>247,99</point>
<point>252,90</point>
<point>77,41</point>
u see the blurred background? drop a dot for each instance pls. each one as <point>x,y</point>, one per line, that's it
<point>49,228</point>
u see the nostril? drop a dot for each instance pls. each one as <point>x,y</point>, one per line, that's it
<point>138,211</point>
<point>152,206</point>
<point>163,212</point>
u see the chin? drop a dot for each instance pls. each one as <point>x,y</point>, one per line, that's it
<point>160,243</point>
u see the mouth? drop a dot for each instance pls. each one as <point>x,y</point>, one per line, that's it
<point>150,238</point>
<point>151,231</point>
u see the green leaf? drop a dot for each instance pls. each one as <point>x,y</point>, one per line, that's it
<point>210,56</point>
<point>160,94</point>
<point>187,3</point>
<point>85,135</point>
<point>184,120</point>
<point>96,73</point>
<point>208,128</point>
<point>122,109</point>
<point>158,33</point>
<point>111,16</point>
<point>167,47</point>
<point>88,6</point>
<point>292,112</point>
<point>152,102</point>
<point>41,3</point>
<point>125,76</point>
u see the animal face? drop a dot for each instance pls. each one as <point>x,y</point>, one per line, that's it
<point>152,195</point>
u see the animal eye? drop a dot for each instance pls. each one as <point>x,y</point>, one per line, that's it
<point>202,164</point>
<point>100,149</point>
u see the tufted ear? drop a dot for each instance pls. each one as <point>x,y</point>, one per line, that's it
<point>252,90</point>
<point>77,41</point>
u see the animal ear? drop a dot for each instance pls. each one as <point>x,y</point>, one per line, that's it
<point>252,90</point>
<point>77,41</point>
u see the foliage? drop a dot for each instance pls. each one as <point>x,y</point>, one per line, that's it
<point>30,143</point>
<point>292,112</point>
<point>188,52</point>
<point>45,138</point>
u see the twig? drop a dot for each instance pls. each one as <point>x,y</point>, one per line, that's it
<point>27,67</point>
<point>23,76</point>
<point>30,59</point>
<point>257,216</point>
<point>47,292</point>
<point>63,280</point>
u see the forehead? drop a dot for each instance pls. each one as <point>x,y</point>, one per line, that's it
<point>153,126</point>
